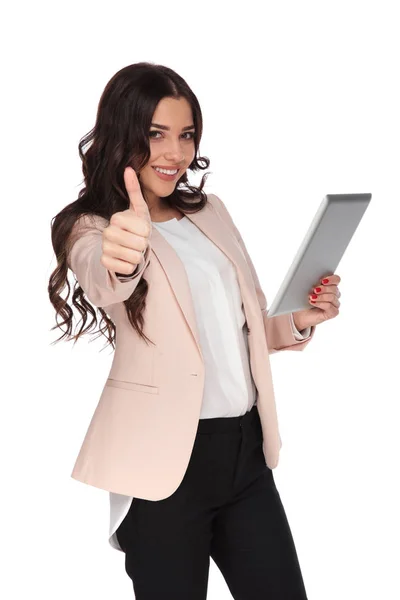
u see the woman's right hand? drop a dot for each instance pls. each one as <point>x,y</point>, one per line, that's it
<point>126,237</point>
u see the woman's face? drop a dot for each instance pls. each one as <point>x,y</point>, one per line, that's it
<point>171,146</point>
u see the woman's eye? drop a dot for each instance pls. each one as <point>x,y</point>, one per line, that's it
<point>190,133</point>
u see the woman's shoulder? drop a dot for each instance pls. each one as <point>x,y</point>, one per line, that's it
<point>223,212</point>
<point>217,203</point>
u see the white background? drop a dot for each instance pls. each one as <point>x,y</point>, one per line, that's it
<point>299,99</point>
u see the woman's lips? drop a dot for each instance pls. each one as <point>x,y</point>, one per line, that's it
<point>165,177</point>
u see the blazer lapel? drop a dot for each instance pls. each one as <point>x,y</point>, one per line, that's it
<point>212,225</point>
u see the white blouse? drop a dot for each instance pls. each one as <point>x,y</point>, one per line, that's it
<point>229,389</point>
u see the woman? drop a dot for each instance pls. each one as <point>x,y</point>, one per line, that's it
<point>185,434</point>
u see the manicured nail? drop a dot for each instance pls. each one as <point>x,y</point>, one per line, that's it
<point>325,281</point>
<point>314,296</point>
<point>317,289</point>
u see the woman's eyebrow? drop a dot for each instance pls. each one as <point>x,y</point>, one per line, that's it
<point>168,128</point>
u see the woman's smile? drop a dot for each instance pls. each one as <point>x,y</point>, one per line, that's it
<point>164,176</point>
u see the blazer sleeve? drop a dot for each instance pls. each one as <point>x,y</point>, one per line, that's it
<point>101,286</point>
<point>279,330</point>
<point>299,335</point>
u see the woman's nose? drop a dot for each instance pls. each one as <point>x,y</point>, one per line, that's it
<point>176,155</point>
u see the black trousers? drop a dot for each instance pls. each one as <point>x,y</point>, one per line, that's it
<point>226,507</point>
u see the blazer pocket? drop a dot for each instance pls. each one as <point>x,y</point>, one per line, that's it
<point>130,385</point>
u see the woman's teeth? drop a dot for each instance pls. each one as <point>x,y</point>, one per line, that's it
<point>166,172</point>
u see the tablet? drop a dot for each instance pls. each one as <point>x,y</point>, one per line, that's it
<point>321,250</point>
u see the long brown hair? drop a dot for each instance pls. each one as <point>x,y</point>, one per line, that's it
<point>120,138</point>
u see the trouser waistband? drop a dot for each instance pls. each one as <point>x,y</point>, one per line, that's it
<point>226,424</point>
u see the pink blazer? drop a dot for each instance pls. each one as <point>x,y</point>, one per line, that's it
<point>142,432</point>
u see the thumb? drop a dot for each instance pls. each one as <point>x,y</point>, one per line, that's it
<point>136,201</point>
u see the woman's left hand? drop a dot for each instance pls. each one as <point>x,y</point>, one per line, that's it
<point>324,298</point>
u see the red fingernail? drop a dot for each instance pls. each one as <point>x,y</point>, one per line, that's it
<point>314,296</point>
<point>325,281</point>
<point>317,289</point>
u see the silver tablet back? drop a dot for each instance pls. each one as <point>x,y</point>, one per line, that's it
<point>321,250</point>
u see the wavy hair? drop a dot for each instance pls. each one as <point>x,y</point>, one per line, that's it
<point>119,138</point>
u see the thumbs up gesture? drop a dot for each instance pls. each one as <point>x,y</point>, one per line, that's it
<point>126,237</point>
